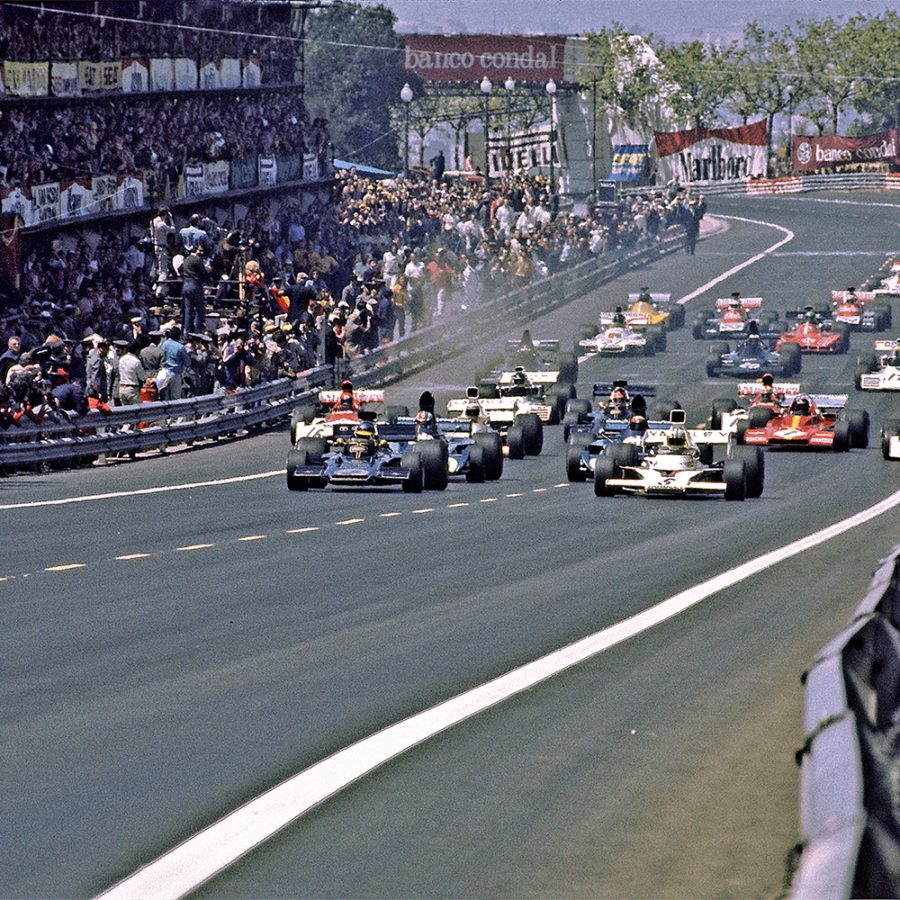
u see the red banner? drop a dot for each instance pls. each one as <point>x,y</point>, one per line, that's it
<point>669,142</point>
<point>435,57</point>
<point>809,153</point>
<point>708,155</point>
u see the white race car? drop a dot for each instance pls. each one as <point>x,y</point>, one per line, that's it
<point>879,371</point>
<point>512,417</point>
<point>620,340</point>
<point>890,439</point>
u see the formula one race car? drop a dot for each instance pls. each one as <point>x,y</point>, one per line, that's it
<point>752,356</point>
<point>331,407</point>
<point>812,421</point>
<point>357,456</point>
<point>674,463</point>
<point>889,286</point>
<point>859,311</point>
<point>890,439</point>
<point>814,335</point>
<point>520,429</point>
<point>618,339</point>
<point>645,310</point>
<point>762,400</point>
<point>732,318</point>
<point>879,371</point>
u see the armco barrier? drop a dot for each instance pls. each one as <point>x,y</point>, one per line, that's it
<point>175,422</point>
<point>850,761</point>
<point>796,184</point>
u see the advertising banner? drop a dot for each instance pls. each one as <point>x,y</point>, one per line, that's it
<point>268,171</point>
<point>460,57</point>
<point>162,75</point>
<point>209,75</point>
<point>244,172</point>
<point>45,199</point>
<point>230,73</point>
<point>310,167</point>
<point>76,198</point>
<point>135,76</point>
<point>215,177</point>
<point>100,76</point>
<point>129,192</point>
<point>629,162</point>
<point>64,79</point>
<point>185,75</point>
<point>26,79</point>
<point>289,168</point>
<point>17,202</point>
<point>713,155</point>
<point>810,153</point>
<point>251,75</point>
<point>105,193</point>
<point>194,185</point>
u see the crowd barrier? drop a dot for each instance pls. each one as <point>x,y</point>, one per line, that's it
<point>849,789</point>
<point>796,184</point>
<point>130,429</point>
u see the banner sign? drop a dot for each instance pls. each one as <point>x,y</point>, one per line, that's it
<point>162,75</point>
<point>289,168</point>
<point>268,171</point>
<point>105,193</point>
<point>251,74</point>
<point>230,73</point>
<point>244,173</point>
<point>45,198</point>
<point>26,79</point>
<point>215,177</point>
<point>135,76</point>
<point>100,76</point>
<point>209,75</point>
<point>461,57</point>
<point>76,198</point>
<point>64,79</point>
<point>185,75</point>
<point>629,162</point>
<point>193,181</point>
<point>310,167</point>
<point>17,202</point>
<point>129,192</point>
<point>710,155</point>
<point>809,153</point>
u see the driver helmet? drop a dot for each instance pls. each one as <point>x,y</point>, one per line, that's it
<point>472,410</point>
<point>425,422</point>
<point>345,401</point>
<point>800,406</point>
<point>676,439</point>
<point>365,431</point>
<point>735,302</point>
<point>519,377</point>
<point>638,424</point>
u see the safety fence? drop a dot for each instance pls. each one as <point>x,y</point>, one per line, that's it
<point>850,761</point>
<point>797,184</point>
<point>131,429</point>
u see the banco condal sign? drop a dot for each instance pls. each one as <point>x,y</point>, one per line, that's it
<point>435,57</point>
<point>810,153</point>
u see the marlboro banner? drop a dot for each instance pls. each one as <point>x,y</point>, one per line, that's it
<point>458,57</point>
<point>713,155</point>
<point>810,153</point>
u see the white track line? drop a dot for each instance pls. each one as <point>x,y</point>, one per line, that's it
<point>209,852</point>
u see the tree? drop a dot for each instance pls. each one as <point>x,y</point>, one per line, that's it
<point>877,95</point>
<point>703,74</point>
<point>354,73</point>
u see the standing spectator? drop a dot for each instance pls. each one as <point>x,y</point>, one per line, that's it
<point>161,228</point>
<point>415,288</point>
<point>151,355</point>
<point>441,278</point>
<point>401,299</point>
<point>132,375</point>
<point>97,383</point>
<point>192,235</point>
<point>386,315</point>
<point>195,275</point>
<point>10,357</point>
<point>175,361</point>
<point>438,165</point>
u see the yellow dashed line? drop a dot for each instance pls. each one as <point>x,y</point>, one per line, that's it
<point>253,537</point>
<point>66,567</point>
<point>488,500</point>
<point>196,547</point>
<point>350,522</point>
<point>302,530</point>
<point>457,505</point>
<point>133,556</point>
<point>390,515</point>
<point>426,509</point>
<point>515,495</point>
<point>539,490</point>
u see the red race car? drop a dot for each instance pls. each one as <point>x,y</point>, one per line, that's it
<point>813,338</point>
<point>812,421</point>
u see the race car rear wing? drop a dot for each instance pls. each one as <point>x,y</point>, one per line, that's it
<point>654,298</point>
<point>364,395</point>
<point>752,388</point>
<point>829,401</point>
<point>605,388</point>
<point>746,302</point>
<point>534,377</point>
<point>459,406</point>
<point>862,296</point>
<point>886,346</point>
<point>547,345</point>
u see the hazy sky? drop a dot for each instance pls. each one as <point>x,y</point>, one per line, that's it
<point>671,19</point>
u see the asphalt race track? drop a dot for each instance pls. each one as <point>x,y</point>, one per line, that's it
<point>169,655</point>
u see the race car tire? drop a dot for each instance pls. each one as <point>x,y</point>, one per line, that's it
<point>712,367</point>
<point>676,316</point>
<point>492,445</point>
<point>574,448</point>
<point>767,319</point>
<point>487,390</point>
<point>657,336</point>
<point>844,333</point>
<point>556,400</point>
<point>661,410</point>
<point>434,464</point>
<point>305,413</point>
<point>759,416</point>
<point>795,355</point>
<point>889,429</point>
<point>392,413</point>
<point>604,469</point>
<point>315,449</point>
<point>649,347</point>
<point>719,348</point>
<point>533,430</point>
<point>622,454</point>
<point>755,462</point>
<point>842,438</point>
<point>884,310</point>
<point>720,405</point>
<point>858,420</point>
<point>734,474</point>
<point>515,442</point>
<point>700,320</point>
<point>740,428</point>
<point>579,408</point>
<point>296,482</point>
<point>568,367</point>
<point>413,461</point>
<point>865,365</point>
<point>475,473</point>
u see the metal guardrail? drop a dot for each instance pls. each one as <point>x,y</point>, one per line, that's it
<point>796,184</point>
<point>145,426</point>
<point>850,761</point>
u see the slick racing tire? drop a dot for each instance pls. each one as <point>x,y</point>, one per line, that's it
<point>515,442</point>
<point>392,413</point>
<point>720,405</point>
<point>865,365</point>
<point>302,415</point>
<point>604,469</point>
<point>759,416</point>
<point>492,446</point>
<point>533,430</point>
<point>296,482</point>
<point>842,438</point>
<point>568,368</point>
<point>622,454</point>
<point>661,410</point>
<point>734,474</point>
<point>858,420</point>
<point>579,408</point>
<point>889,429</point>
<point>844,333</point>
<point>416,481</point>
<point>755,462</point>
<point>315,449</point>
<point>676,316</point>
<point>556,400</point>
<point>434,464</point>
<point>712,367</point>
<point>657,336</point>
<point>795,355</point>
<point>649,346</point>
<point>475,473</point>
<point>574,471</point>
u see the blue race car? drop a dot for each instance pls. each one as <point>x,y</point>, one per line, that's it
<point>751,357</point>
